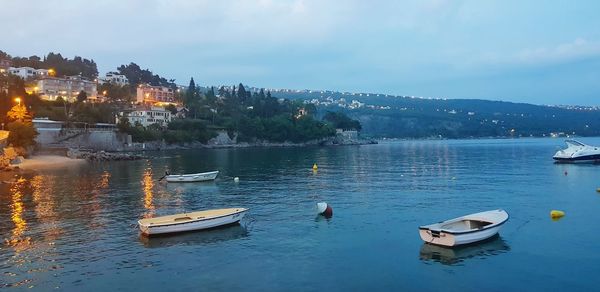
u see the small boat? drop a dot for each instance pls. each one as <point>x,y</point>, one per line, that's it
<point>464,230</point>
<point>454,255</point>
<point>193,177</point>
<point>191,221</point>
<point>577,152</point>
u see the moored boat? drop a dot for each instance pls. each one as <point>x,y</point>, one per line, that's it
<point>464,230</point>
<point>577,152</point>
<point>193,177</point>
<point>191,221</point>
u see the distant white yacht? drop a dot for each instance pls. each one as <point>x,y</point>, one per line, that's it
<point>577,152</point>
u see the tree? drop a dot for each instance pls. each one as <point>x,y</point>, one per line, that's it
<point>137,75</point>
<point>21,134</point>
<point>241,93</point>
<point>171,108</point>
<point>19,113</point>
<point>82,96</point>
<point>191,92</point>
<point>123,125</point>
<point>341,121</point>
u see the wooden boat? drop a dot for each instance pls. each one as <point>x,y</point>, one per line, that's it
<point>464,230</point>
<point>194,177</point>
<point>191,221</point>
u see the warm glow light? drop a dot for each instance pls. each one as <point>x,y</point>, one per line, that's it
<point>148,184</point>
<point>16,239</point>
<point>104,92</point>
<point>18,100</point>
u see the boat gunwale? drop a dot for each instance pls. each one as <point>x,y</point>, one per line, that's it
<point>189,221</point>
<point>191,174</point>
<point>470,230</point>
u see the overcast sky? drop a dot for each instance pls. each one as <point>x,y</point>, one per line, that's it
<point>542,52</point>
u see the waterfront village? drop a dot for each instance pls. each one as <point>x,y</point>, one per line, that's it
<point>68,106</point>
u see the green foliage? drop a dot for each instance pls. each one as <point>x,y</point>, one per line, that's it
<point>62,66</point>
<point>178,131</point>
<point>171,108</point>
<point>81,96</point>
<point>21,134</point>
<point>283,128</point>
<point>116,92</point>
<point>137,75</point>
<point>340,120</point>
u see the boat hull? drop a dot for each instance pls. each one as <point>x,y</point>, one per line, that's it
<point>198,177</point>
<point>195,225</point>
<point>464,230</point>
<point>587,158</point>
<point>449,239</point>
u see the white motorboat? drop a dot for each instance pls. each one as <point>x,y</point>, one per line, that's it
<point>577,152</point>
<point>191,221</point>
<point>193,177</point>
<point>464,230</point>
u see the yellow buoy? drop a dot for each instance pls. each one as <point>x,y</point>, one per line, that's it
<point>556,214</point>
<point>315,167</point>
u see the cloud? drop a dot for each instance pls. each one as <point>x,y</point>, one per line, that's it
<point>578,49</point>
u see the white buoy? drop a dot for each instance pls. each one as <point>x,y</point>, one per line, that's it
<point>236,179</point>
<point>324,209</point>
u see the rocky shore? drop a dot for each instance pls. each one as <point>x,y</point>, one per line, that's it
<point>332,141</point>
<point>101,155</point>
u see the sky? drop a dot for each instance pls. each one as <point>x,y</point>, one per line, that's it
<point>541,52</point>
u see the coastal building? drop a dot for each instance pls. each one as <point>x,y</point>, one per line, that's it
<point>146,115</point>
<point>155,95</point>
<point>28,72</point>
<point>50,88</point>
<point>114,78</point>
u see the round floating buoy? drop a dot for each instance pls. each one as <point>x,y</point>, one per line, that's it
<point>555,214</point>
<point>598,190</point>
<point>324,209</point>
<point>315,167</point>
<point>566,173</point>
<point>236,179</point>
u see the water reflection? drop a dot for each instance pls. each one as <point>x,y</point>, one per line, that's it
<point>147,185</point>
<point>45,207</point>
<point>224,233</point>
<point>454,256</point>
<point>17,241</point>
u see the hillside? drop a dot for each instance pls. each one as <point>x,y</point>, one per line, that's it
<point>410,117</point>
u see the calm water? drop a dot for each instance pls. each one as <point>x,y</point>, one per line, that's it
<point>74,229</point>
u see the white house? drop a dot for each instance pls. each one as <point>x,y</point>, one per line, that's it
<point>28,72</point>
<point>146,116</point>
<point>114,78</point>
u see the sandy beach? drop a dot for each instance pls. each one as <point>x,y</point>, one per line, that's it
<point>49,161</point>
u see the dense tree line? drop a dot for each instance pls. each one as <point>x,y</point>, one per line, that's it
<point>255,115</point>
<point>61,65</point>
<point>136,75</point>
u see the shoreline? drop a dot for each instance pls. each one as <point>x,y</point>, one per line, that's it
<point>39,162</point>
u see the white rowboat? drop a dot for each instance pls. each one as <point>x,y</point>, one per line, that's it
<point>464,230</point>
<point>191,221</point>
<point>193,177</point>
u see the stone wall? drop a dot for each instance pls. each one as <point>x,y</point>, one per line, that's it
<point>108,140</point>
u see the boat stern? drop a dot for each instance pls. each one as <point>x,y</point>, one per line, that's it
<point>145,229</point>
<point>438,237</point>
